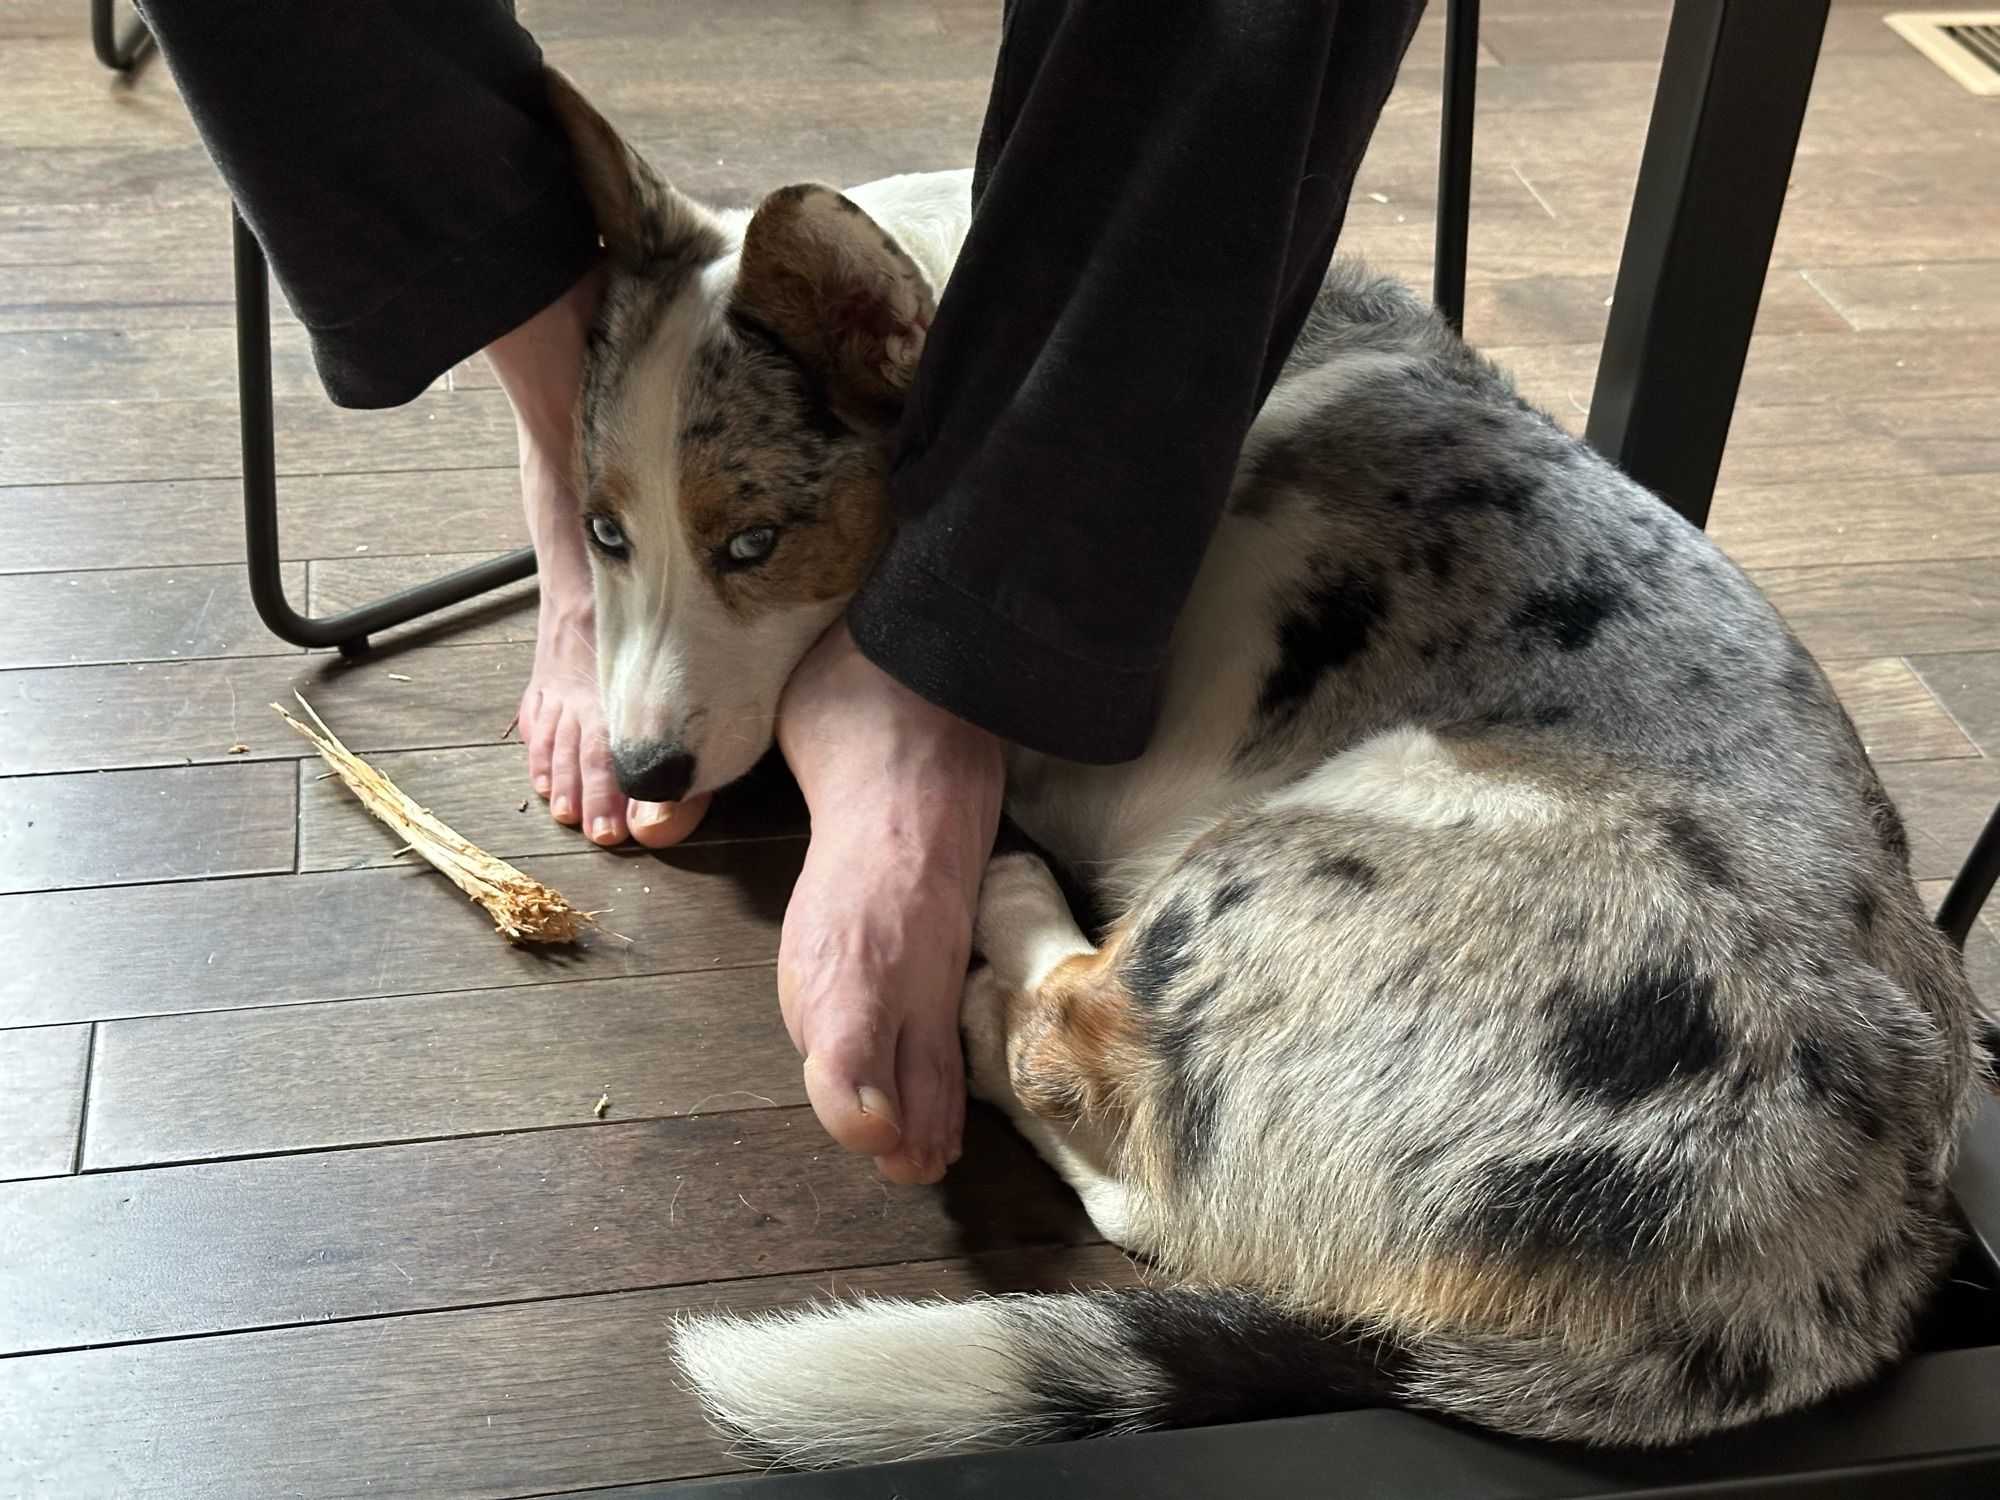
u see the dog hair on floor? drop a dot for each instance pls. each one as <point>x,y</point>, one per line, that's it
<point>1515,1003</point>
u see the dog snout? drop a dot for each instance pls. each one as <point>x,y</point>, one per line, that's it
<point>660,771</point>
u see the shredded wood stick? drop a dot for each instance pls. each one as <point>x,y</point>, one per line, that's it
<point>523,908</point>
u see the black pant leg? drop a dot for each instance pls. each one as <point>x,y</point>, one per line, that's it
<point>399,164</point>
<point>1159,191</point>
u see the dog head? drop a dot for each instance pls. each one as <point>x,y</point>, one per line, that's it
<point>739,397</point>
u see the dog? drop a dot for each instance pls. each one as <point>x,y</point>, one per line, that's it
<point>1514,1002</point>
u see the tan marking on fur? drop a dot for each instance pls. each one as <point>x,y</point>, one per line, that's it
<point>826,300</point>
<point>612,492</point>
<point>1073,1042</point>
<point>824,559</point>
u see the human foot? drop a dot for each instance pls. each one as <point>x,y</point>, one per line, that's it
<point>540,367</point>
<point>904,800</point>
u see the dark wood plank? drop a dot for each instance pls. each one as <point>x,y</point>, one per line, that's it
<point>452,1406</point>
<point>1944,803</point>
<point>124,827</point>
<point>123,1256</point>
<point>1947,297</point>
<point>1953,434</point>
<point>41,1105</point>
<point>1528,310</point>
<point>1784,521</point>
<point>74,718</point>
<point>190,522</point>
<point>174,1088</point>
<point>506,614</point>
<point>220,945</point>
<point>1889,609</point>
<point>1968,684</point>
<point>197,439</point>
<point>483,792</point>
<point>1896,714</point>
<point>133,615</point>
<point>92,365</point>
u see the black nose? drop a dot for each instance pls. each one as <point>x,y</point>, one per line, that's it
<point>657,772</point>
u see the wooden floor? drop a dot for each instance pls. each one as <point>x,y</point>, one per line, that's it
<point>306,1195</point>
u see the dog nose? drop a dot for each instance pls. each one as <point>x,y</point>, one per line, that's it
<point>657,772</point>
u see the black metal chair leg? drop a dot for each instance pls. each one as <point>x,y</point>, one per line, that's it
<point>1725,125</point>
<point>1973,884</point>
<point>1461,72</point>
<point>117,50</point>
<point>350,629</point>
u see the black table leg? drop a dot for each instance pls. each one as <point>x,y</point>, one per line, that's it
<point>350,629</point>
<point>1726,118</point>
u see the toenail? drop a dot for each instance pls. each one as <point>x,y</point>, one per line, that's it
<point>653,814</point>
<point>562,807</point>
<point>542,786</point>
<point>874,1102</point>
<point>604,830</point>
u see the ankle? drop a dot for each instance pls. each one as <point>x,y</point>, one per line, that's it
<point>539,364</point>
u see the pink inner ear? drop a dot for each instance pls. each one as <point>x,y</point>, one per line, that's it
<point>856,310</point>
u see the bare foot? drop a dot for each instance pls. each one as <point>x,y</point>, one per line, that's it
<point>904,798</point>
<point>540,367</point>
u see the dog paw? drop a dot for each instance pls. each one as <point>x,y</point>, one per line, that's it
<point>1019,902</point>
<point>982,1023</point>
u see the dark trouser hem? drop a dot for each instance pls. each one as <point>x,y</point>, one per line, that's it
<point>1158,192</point>
<point>400,164</point>
<point>961,654</point>
<point>461,304</point>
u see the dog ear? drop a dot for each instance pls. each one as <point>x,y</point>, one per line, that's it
<point>841,293</point>
<point>645,223</point>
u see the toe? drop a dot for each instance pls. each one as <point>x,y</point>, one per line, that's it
<point>850,1081</point>
<point>603,803</point>
<point>538,729</point>
<point>660,825</point>
<point>930,1078</point>
<point>566,773</point>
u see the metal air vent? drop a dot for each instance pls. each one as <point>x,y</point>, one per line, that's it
<point>1965,43</point>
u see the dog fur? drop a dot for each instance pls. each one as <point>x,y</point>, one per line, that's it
<point>1515,1002</point>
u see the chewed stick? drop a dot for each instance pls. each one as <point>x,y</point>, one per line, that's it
<point>522,907</point>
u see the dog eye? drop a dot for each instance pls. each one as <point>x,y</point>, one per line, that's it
<point>606,533</point>
<point>752,546</point>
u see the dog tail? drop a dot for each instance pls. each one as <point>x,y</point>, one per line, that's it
<point>875,1381</point>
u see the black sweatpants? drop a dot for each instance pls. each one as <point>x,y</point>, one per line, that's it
<point>1159,185</point>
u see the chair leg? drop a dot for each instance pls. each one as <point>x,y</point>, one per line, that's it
<point>1731,97</point>
<point>118,51</point>
<point>1461,72</point>
<point>349,630</point>
<point>1973,884</point>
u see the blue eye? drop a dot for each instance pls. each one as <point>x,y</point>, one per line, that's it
<point>752,546</point>
<point>606,533</point>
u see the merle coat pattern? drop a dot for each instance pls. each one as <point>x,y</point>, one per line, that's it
<point>1514,1002</point>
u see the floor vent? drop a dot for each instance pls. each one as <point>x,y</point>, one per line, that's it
<point>1965,43</point>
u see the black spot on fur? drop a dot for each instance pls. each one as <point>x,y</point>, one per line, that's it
<point>1188,1100</point>
<point>1442,560</point>
<point>1836,1078</point>
<point>1229,1354</point>
<point>1659,1026</point>
<point>1724,1375</point>
<point>1348,869</point>
<point>1543,716</point>
<point>1233,893</point>
<point>1159,955</point>
<point>1697,847</point>
<point>1570,614</point>
<point>1325,630</point>
<point>705,430</point>
<point>1866,909</point>
<point>1889,830</point>
<point>1582,1200</point>
<point>1507,492</point>
<point>1398,499</point>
